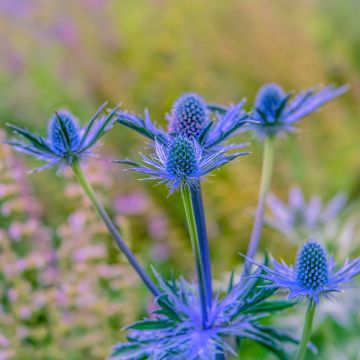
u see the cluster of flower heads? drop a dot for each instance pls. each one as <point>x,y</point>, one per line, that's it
<point>208,127</point>
<point>175,329</point>
<point>196,144</point>
<point>314,274</point>
<point>66,142</point>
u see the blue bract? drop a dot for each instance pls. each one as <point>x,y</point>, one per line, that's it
<point>277,111</point>
<point>181,162</point>
<point>314,274</point>
<point>66,142</point>
<point>176,331</point>
<point>190,117</point>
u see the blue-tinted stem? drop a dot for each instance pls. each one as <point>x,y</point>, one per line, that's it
<point>190,217</point>
<point>89,191</point>
<point>198,207</point>
<point>266,172</point>
<point>306,331</point>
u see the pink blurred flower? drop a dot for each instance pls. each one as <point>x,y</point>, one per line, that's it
<point>131,204</point>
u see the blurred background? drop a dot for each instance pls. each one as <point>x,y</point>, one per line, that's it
<point>65,291</point>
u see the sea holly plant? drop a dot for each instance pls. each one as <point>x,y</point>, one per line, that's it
<point>191,320</point>
<point>181,164</point>
<point>190,118</point>
<point>313,276</point>
<point>276,113</point>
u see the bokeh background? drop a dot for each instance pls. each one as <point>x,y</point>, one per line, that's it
<point>65,292</point>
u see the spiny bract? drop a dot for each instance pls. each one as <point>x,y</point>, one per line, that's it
<point>313,276</point>
<point>276,111</point>
<point>66,142</point>
<point>181,162</point>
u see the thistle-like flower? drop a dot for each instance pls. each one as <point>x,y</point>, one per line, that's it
<point>66,141</point>
<point>176,331</point>
<point>299,219</point>
<point>190,117</point>
<point>313,276</point>
<point>181,162</point>
<point>277,111</point>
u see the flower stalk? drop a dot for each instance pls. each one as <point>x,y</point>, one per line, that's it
<point>195,243</point>
<point>306,331</point>
<point>89,191</point>
<point>266,172</point>
<point>198,208</point>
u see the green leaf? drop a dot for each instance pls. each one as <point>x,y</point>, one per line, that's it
<point>150,325</point>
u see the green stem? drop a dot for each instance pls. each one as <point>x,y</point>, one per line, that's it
<point>306,331</point>
<point>83,181</point>
<point>190,217</point>
<point>266,172</point>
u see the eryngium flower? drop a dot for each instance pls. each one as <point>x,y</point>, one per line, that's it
<point>66,141</point>
<point>181,162</point>
<point>313,276</point>
<point>190,118</point>
<point>176,331</point>
<point>300,219</point>
<point>277,111</point>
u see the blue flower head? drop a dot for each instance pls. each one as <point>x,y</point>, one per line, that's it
<point>176,330</point>
<point>277,111</point>
<point>63,132</point>
<point>181,159</point>
<point>190,117</point>
<point>313,276</point>
<point>312,268</point>
<point>66,141</point>
<point>181,162</point>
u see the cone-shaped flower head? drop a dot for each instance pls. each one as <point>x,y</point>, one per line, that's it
<point>63,132</point>
<point>181,159</point>
<point>312,266</point>
<point>181,162</point>
<point>277,111</point>
<point>189,116</point>
<point>66,141</point>
<point>313,276</point>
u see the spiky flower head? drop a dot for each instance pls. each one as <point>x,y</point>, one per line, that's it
<point>63,132</point>
<point>313,276</point>
<point>189,116</point>
<point>176,331</point>
<point>298,218</point>
<point>277,111</point>
<point>312,266</point>
<point>66,141</point>
<point>181,162</point>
